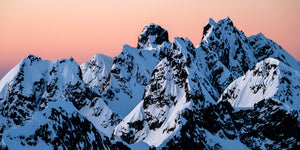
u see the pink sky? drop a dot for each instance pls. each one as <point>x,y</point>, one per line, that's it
<point>55,29</point>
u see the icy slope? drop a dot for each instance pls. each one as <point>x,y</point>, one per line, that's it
<point>95,73</point>
<point>101,116</point>
<point>270,78</point>
<point>59,126</point>
<point>36,83</point>
<point>158,115</point>
<point>33,85</point>
<point>175,90</point>
<point>131,72</point>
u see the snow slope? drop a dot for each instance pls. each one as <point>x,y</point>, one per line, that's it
<point>29,93</point>
<point>270,78</point>
<point>47,130</point>
<point>95,73</point>
<point>131,70</point>
<point>176,86</point>
<point>158,115</point>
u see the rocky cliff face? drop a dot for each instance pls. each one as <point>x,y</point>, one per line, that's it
<point>152,36</point>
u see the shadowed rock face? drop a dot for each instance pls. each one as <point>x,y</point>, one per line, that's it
<point>152,35</point>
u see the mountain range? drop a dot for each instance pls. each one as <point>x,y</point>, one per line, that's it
<point>228,92</point>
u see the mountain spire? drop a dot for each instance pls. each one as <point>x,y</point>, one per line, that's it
<point>152,36</point>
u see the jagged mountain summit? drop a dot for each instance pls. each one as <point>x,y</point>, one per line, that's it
<point>152,36</point>
<point>270,78</point>
<point>95,73</point>
<point>229,92</point>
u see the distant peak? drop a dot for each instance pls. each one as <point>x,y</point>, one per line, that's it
<point>151,25</point>
<point>227,18</point>
<point>208,28</point>
<point>71,58</point>
<point>101,56</point>
<point>261,35</point>
<point>183,40</point>
<point>151,36</point>
<point>211,21</point>
<point>30,58</point>
<point>226,21</point>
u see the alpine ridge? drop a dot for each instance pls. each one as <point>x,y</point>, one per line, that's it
<point>228,92</point>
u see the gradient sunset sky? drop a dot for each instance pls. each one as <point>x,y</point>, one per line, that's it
<point>55,29</point>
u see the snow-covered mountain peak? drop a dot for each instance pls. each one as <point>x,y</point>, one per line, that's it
<point>183,45</point>
<point>152,36</point>
<point>225,21</point>
<point>100,56</point>
<point>159,95</point>
<point>211,21</point>
<point>263,48</point>
<point>179,41</point>
<point>269,79</point>
<point>95,73</point>
<point>164,99</point>
<point>208,28</point>
<point>222,30</point>
<point>228,45</point>
<point>96,60</point>
<point>35,82</point>
<point>33,67</point>
<point>260,38</point>
<point>100,59</point>
<point>260,35</point>
<point>30,58</point>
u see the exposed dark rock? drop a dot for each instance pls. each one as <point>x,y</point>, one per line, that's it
<point>160,35</point>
